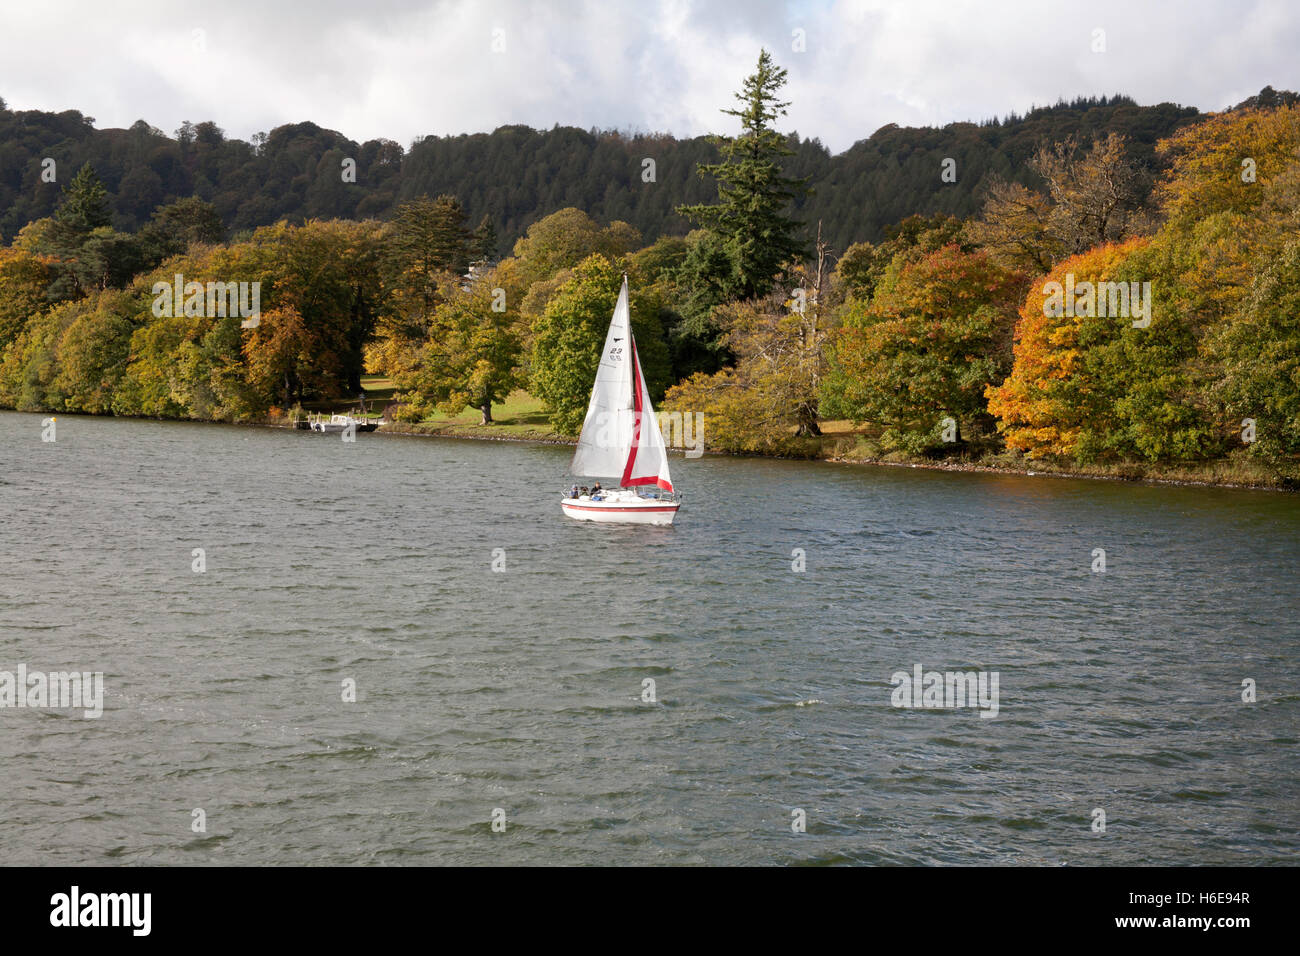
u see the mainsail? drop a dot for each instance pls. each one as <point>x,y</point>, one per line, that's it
<point>620,435</point>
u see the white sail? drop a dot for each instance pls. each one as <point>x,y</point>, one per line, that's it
<point>620,435</point>
<point>607,429</point>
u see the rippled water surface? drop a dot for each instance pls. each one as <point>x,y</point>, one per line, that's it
<point>522,690</point>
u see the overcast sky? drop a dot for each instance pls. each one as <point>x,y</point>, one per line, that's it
<point>406,68</point>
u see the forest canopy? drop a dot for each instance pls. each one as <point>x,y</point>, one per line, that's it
<point>1097,283</point>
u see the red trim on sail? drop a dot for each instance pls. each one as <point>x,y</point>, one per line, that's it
<point>636,411</point>
<point>648,480</point>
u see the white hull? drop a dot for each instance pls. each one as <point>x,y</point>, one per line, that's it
<point>340,423</point>
<point>624,510</point>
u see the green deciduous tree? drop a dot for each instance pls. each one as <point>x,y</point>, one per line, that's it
<point>1259,353</point>
<point>29,367</point>
<point>474,349</point>
<point>151,384</point>
<point>93,353</point>
<point>567,338</point>
<point>565,238</point>
<point>176,226</point>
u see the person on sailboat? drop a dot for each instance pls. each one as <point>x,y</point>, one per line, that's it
<point>573,492</point>
<point>595,490</point>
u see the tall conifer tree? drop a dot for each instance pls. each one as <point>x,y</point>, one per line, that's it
<point>750,216</point>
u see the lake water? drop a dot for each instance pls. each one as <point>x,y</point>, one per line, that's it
<point>523,690</point>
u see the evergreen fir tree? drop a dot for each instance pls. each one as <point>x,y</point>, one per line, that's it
<point>751,215</point>
<point>430,237</point>
<point>85,204</point>
<point>485,239</point>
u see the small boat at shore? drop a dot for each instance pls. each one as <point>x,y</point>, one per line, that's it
<point>334,424</point>
<point>339,423</point>
<point>621,437</point>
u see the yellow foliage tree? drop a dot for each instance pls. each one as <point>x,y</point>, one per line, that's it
<point>1224,163</point>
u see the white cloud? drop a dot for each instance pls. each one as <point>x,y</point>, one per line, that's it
<point>399,69</point>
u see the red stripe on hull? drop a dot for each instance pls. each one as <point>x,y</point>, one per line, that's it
<point>635,508</point>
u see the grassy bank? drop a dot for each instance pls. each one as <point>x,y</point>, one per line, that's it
<point>519,418</point>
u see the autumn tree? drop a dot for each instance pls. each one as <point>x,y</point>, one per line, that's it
<point>24,277</point>
<point>29,366</point>
<point>71,357</point>
<point>283,360</point>
<point>1017,226</point>
<point>767,402</point>
<point>1092,197</point>
<point>1218,164</point>
<point>193,365</point>
<point>1088,384</point>
<point>328,274</point>
<point>320,292</point>
<point>863,265</point>
<point>925,349</point>
<point>1097,196</point>
<point>37,237</point>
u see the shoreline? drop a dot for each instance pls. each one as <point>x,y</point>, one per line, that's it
<point>543,437</point>
<point>1045,470</point>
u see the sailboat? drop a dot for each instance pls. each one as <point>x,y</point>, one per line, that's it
<point>621,439</point>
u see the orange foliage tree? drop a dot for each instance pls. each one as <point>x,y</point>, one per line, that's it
<point>1045,402</point>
